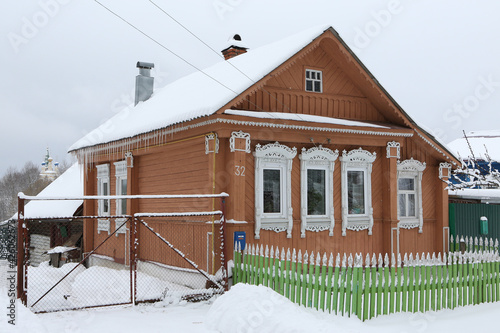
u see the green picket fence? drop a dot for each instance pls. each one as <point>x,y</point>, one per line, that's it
<point>372,286</point>
<point>471,244</point>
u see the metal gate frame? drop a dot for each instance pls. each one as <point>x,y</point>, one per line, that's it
<point>23,241</point>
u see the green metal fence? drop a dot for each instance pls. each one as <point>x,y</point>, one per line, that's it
<point>465,219</point>
<point>371,286</point>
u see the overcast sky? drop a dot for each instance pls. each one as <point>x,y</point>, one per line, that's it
<point>69,65</point>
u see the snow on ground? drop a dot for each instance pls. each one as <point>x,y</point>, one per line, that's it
<point>244,308</point>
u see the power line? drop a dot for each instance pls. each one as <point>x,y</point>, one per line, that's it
<point>173,53</point>
<point>219,54</point>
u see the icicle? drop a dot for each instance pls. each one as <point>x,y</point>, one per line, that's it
<point>294,255</point>
<point>299,256</point>
<point>288,255</point>
<point>325,259</point>
<point>337,260</point>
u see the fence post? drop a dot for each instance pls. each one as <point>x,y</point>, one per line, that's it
<point>293,276</point>
<point>21,264</point>
<point>223,243</point>
<point>329,284</point>
<point>134,242</point>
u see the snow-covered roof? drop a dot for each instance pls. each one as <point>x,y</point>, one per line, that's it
<point>485,195</point>
<point>214,87</point>
<point>69,184</point>
<point>482,143</point>
<point>301,117</point>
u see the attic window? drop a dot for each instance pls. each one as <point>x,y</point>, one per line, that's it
<point>314,80</point>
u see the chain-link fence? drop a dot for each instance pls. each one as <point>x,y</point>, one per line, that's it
<point>110,260</point>
<point>183,258</point>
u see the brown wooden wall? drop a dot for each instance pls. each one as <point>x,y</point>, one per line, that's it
<point>286,92</point>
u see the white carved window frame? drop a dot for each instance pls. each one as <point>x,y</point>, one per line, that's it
<point>215,138</point>
<point>120,174</point>
<point>317,158</point>
<point>239,135</point>
<point>274,156</point>
<point>103,186</point>
<point>412,169</point>
<point>357,160</point>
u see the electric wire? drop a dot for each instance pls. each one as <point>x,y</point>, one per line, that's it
<point>173,53</point>
<point>219,54</point>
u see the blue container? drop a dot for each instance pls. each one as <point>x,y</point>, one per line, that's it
<point>240,237</point>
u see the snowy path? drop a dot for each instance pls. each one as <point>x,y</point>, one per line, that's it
<point>261,311</point>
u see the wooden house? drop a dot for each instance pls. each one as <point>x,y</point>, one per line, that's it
<point>313,152</point>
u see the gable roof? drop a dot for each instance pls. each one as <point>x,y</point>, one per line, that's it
<point>219,85</point>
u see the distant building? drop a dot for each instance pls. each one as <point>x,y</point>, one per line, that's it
<point>50,169</point>
<point>479,150</point>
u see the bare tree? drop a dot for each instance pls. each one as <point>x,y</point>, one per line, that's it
<point>26,180</point>
<point>475,173</point>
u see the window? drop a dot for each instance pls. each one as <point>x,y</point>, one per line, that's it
<point>406,197</point>
<point>314,81</point>
<point>410,212</point>
<point>103,208</point>
<point>121,189</point>
<point>316,168</point>
<point>273,198</point>
<point>357,211</point>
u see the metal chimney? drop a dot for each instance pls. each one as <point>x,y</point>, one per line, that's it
<point>143,82</point>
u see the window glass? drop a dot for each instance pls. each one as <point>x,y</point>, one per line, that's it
<point>316,204</point>
<point>402,204</point>
<point>272,190</point>
<point>356,192</point>
<point>313,80</point>
<point>406,184</point>
<point>123,185</point>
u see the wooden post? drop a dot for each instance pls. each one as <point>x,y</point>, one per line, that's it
<point>390,194</point>
<point>21,292</point>
<point>89,207</point>
<point>442,218</point>
<point>239,145</point>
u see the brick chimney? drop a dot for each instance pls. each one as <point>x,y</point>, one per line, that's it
<point>235,47</point>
